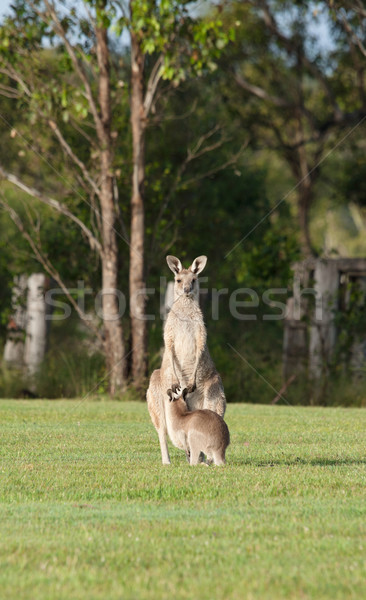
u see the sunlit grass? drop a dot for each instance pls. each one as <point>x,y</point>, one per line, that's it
<point>88,511</point>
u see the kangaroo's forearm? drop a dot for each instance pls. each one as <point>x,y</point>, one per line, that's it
<point>173,365</point>
<point>194,378</point>
<point>200,346</point>
<point>169,346</point>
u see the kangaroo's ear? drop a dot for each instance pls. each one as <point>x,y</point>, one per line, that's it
<point>198,264</point>
<point>170,394</point>
<point>174,264</point>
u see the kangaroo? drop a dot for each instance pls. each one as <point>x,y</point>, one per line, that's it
<point>197,431</point>
<point>186,361</point>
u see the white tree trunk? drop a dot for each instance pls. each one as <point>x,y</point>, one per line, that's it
<point>14,346</point>
<point>36,327</point>
<point>168,300</point>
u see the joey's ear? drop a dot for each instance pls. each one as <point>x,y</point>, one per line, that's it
<point>174,264</point>
<point>184,393</point>
<point>198,264</point>
<point>170,394</point>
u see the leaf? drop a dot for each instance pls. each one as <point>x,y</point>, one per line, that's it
<point>63,98</point>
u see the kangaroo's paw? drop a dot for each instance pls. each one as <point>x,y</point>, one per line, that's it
<point>191,387</point>
<point>175,387</point>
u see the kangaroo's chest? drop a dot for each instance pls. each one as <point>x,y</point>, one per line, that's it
<point>185,326</point>
<point>177,436</point>
<point>185,345</point>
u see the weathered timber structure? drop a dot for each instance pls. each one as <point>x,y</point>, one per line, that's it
<point>322,289</point>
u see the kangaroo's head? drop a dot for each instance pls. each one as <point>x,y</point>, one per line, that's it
<point>186,282</point>
<point>179,393</point>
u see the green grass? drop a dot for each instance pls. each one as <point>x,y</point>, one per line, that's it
<point>88,511</point>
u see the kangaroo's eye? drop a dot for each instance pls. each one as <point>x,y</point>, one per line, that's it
<point>179,280</point>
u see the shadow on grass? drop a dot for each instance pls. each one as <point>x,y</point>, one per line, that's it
<point>314,462</point>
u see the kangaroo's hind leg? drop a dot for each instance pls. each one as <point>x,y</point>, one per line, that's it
<point>194,457</point>
<point>155,404</point>
<point>214,395</point>
<point>194,451</point>
<point>209,457</point>
<point>219,457</point>
<point>195,444</point>
<point>165,458</point>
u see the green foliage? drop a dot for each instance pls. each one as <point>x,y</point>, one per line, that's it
<point>350,179</point>
<point>68,370</point>
<point>30,30</point>
<point>5,288</point>
<point>60,241</point>
<point>192,206</point>
<point>270,260</point>
<point>189,45</point>
<point>67,374</point>
<point>350,322</point>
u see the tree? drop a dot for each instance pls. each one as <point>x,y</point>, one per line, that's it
<point>167,44</point>
<point>295,95</point>
<point>173,46</point>
<point>351,17</point>
<point>21,47</point>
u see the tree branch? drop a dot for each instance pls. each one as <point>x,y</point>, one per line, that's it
<point>73,156</point>
<point>351,34</point>
<point>9,92</point>
<point>231,161</point>
<point>342,20</point>
<point>291,46</point>
<point>195,152</point>
<point>44,261</point>
<point>178,183</point>
<point>9,72</point>
<point>191,155</point>
<point>59,30</point>
<point>260,92</point>
<point>61,208</point>
<point>160,119</point>
<point>152,84</point>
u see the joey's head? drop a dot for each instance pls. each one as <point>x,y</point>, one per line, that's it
<point>186,280</point>
<point>178,394</point>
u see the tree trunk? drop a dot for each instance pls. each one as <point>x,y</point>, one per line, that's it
<point>14,346</point>
<point>137,266</point>
<point>114,344</point>
<point>304,205</point>
<point>305,176</point>
<point>36,327</point>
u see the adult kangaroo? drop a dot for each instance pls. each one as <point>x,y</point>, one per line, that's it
<point>186,361</point>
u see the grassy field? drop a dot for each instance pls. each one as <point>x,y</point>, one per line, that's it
<point>88,511</point>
